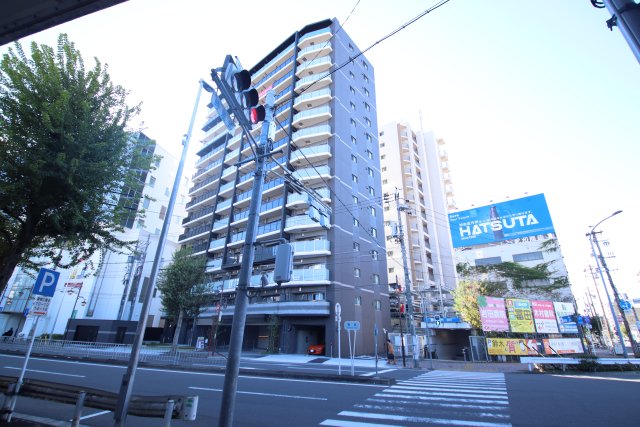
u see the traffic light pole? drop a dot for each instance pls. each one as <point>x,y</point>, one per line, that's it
<point>242,299</point>
<point>411,328</point>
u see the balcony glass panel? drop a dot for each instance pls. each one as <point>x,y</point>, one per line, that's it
<point>312,173</point>
<point>311,246</point>
<point>310,275</point>
<point>320,131</point>
<point>304,153</point>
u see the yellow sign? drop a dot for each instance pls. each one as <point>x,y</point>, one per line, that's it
<point>520,316</point>
<point>512,346</point>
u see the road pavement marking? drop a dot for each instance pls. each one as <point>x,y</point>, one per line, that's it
<point>47,372</point>
<point>340,423</point>
<point>444,389</point>
<point>370,374</point>
<point>446,421</point>
<point>395,401</point>
<point>430,393</point>
<point>599,378</point>
<point>392,407</point>
<point>263,394</point>
<point>97,414</point>
<point>447,399</point>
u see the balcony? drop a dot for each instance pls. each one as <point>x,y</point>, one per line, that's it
<point>316,276</point>
<point>209,195</point>
<point>311,155</point>
<point>217,244</point>
<point>315,37</point>
<point>301,223</point>
<point>194,216</point>
<point>232,157</point>
<point>311,248</point>
<point>446,177</point>
<point>444,166</point>
<point>194,233</point>
<point>314,51</point>
<point>224,205</point>
<point>313,175</point>
<point>268,69</point>
<point>317,81</point>
<point>209,170</point>
<point>213,265</point>
<point>311,117</point>
<point>317,66</point>
<point>312,99</point>
<point>312,135</point>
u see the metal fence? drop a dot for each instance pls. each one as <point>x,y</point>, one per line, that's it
<point>154,355</point>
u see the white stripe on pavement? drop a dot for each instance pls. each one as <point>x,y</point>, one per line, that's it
<point>429,403</point>
<point>448,399</point>
<point>431,393</point>
<point>370,374</point>
<point>263,394</point>
<point>340,423</point>
<point>422,419</point>
<point>47,372</point>
<point>391,408</point>
<point>427,387</point>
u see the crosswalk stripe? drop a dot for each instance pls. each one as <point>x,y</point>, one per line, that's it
<point>414,419</point>
<point>430,403</point>
<point>434,393</point>
<point>426,387</point>
<point>448,399</point>
<point>390,408</point>
<point>341,423</point>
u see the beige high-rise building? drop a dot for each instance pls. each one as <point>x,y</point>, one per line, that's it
<point>414,166</point>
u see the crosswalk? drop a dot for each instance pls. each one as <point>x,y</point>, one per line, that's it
<point>435,398</point>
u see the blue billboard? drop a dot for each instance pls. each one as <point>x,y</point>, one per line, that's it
<point>513,219</point>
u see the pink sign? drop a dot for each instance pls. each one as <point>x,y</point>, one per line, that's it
<point>493,314</point>
<point>544,317</point>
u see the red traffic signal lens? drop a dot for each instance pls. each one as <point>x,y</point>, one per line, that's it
<point>257,114</point>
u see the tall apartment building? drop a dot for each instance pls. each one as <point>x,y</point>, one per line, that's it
<point>109,286</point>
<point>325,138</point>
<point>414,166</point>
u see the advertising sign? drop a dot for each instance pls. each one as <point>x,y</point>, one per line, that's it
<point>562,345</point>
<point>544,317</point>
<point>528,216</point>
<point>493,314</point>
<point>512,346</point>
<point>519,314</point>
<point>40,306</point>
<point>565,309</point>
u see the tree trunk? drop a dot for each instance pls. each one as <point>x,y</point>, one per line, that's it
<point>176,333</point>
<point>11,258</point>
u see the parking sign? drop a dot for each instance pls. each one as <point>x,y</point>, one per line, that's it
<point>46,282</point>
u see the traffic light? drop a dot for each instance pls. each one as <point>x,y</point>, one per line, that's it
<point>248,96</point>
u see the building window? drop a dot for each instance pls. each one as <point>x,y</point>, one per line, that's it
<point>354,178</point>
<point>352,105</point>
<point>376,279</point>
<point>374,232</point>
<point>356,272</point>
<point>354,140</point>
<point>163,212</point>
<point>152,181</point>
<point>352,90</point>
<point>372,210</point>
<point>356,246</point>
<point>358,300</point>
<point>366,91</point>
<point>378,305</point>
<point>368,121</point>
<point>353,76</point>
<point>370,154</point>
<point>369,171</point>
<point>141,223</point>
<point>368,137</point>
<point>146,203</point>
<point>355,200</point>
<point>365,65</point>
<point>488,261</point>
<point>374,255</point>
<point>384,169</point>
<point>391,270</point>
<point>528,256</point>
<point>354,159</point>
<point>367,107</point>
<point>350,47</point>
<point>372,191</point>
<point>366,79</point>
<point>353,122</point>
<point>356,223</point>
<point>389,253</point>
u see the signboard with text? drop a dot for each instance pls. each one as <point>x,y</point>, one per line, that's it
<point>562,345</point>
<point>493,314</point>
<point>519,314</point>
<point>512,346</point>
<point>544,317</point>
<point>40,306</point>
<point>565,309</point>
<point>513,219</point>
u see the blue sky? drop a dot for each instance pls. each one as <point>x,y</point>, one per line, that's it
<point>531,97</point>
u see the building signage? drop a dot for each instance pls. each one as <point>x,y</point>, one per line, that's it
<point>544,317</point>
<point>564,309</point>
<point>528,216</point>
<point>520,316</point>
<point>40,305</point>
<point>512,346</point>
<point>493,314</point>
<point>562,345</point>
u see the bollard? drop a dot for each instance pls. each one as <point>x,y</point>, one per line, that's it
<point>168,412</point>
<point>77,413</point>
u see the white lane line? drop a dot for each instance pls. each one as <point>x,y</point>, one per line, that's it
<point>394,408</point>
<point>396,402</point>
<point>445,421</point>
<point>446,399</point>
<point>370,374</point>
<point>47,372</point>
<point>340,423</point>
<point>263,394</point>
<point>97,414</point>
<point>433,393</point>
<point>462,391</point>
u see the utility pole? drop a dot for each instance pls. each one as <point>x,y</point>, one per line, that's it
<point>411,329</point>
<point>616,296</point>
<point>626,16</point>
<point>604,313</point>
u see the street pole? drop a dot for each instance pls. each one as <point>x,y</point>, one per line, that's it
<point>407,283</point>
<point>616,296</point>
<point>626,16</point>
<point>126,386</point>
<point>240,312</point>
<point>604,313</point>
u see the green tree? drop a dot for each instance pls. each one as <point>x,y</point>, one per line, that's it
<point>465,298</point>
<point>184,292</point>
<point>65,157</point>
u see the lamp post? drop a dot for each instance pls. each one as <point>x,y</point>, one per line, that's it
<point>601,261</point>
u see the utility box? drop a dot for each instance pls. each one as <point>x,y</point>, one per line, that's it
<point>189,408</point>
<point>284,263</point>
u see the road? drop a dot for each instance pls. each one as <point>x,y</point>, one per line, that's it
<point>418,398</point>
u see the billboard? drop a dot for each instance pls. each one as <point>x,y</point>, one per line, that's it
<point>519,314</point>
<point>512,346</point>
<point>562,345</point>
<point>493,314</point>
<point>527,216</point>
<point>564,309</point>
<point>544,317</point>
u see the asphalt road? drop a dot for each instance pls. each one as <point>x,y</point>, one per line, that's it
<point>418,398</point>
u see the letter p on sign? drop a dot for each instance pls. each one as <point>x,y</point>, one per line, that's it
<point>46,282</point>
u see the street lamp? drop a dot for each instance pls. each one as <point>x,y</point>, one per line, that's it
<point>601,261</point>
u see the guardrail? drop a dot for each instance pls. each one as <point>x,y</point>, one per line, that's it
<point>564,361</point>
<point>166,407</point>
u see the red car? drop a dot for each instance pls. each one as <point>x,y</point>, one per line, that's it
<point>316,349</point>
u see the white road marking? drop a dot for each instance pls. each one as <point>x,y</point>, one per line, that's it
<point>262,394</point>
<point>433,393</point>
<point>428,387</point>
<point>447,399</point>
<point>97,414</point>
<point>370,374</point>
<point>422,419</point>
<point>46,372</point>
<point>340,423</point>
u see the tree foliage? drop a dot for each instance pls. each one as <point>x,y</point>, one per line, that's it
<point>465,298</point>
<point>65,157</point>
